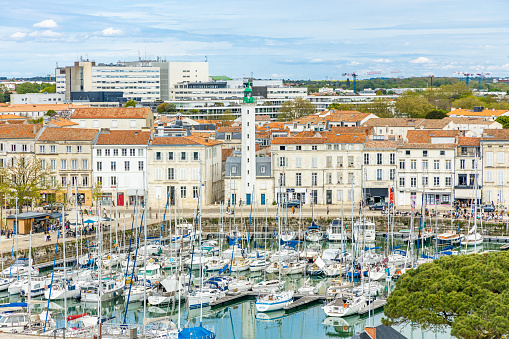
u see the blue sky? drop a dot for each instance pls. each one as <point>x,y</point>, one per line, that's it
<point>273,39</point>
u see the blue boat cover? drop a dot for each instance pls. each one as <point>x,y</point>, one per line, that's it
<point>196,333</point>
<point>14,305</point>
<point>314,226</point>
<point>291,243</point>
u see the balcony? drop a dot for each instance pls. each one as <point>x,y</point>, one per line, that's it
<point>467,187</point>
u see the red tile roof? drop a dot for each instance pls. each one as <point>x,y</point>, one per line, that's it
<point>424,136</point>
<point>189,140</point>
<point>111,113</point>
<point>469,141</point>
<point>296,141</point>
<point>68,134</point>
<point>495,134</point>
<point>17,131</point>
<point>124,137</point>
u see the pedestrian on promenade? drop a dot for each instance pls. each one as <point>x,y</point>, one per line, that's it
<point>293,210</point>
<point>327,210</point>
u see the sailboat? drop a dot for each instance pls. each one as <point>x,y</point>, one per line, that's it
<point>314,234</point>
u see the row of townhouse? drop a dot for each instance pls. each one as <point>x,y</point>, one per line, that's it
<point>125,166</point>
<point>428,167</point>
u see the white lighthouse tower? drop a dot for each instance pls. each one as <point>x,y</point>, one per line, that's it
<point>248,164</point>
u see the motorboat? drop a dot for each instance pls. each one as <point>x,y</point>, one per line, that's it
<point>138,292</point>
<point>60,291</point>
<point>274,301</point>
<point>35,286</point>
<point>152,273</point>
<point>236,286</point>
<point>335,232</point>
<point>109,289</point>
<point>258,265</point>
<point>364,230</point>
<point>203,297</point>
<point>171,286</point>
<point>448,238</point>
<point>216,264</point>
<point>21,267</point>
<point>344,307</point>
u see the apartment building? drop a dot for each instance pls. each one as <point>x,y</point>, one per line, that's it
<point>67,152</point>
<point>325,169</point>
<point>495,161</point>
<point>177,166</point>
<point>120,165</point>
<point>468,171</point>
<point>121,118</point>
<point>324,121</point>
<point>17,140</point>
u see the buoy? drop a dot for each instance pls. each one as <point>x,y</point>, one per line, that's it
<point>345,306</point>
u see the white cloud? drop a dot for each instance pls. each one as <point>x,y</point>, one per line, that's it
<point>385,61</point>
<point>421,60</point>
<point>449,67</point>
<point>18,35</point>
<point>45,34</point>
<point>50,23</point>
<point>316,60</point>
<point>354,63</point>
<point>111,31</point>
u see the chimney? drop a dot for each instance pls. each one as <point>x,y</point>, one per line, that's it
<point>371,331</point>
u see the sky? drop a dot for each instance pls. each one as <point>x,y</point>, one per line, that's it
<point>276,39</point>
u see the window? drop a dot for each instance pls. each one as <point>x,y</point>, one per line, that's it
<point>64,181</point>
<point>425,153</point>
<point>95,123</point>
<point>314,162</point>
<point>401,181</point>
<point>298,179</point>
<point>53,164</point>
<point>392,174</point>
<point>157,156</point>
<point>262,169</point>
<point>350,161</point>
<point>413,164</point>
<point>98,152</point>
<point>99,181</point>
<point>413,182</point>
<point>436,181</point>
<point>84,181</point>
<point>379,158</point>
<point>314,148</point>
<point>366,159</point>
<point>350,178</point>
<point>448,164</point>
<point>442,152</point>
<point>339,195</point>
<point>113,181</point>
<point>171,174</point>
<point>52,149</point>
<point>282,147</point>
<point>282,179</point>
<point>298,148</point>
<point>113,165</point>
<point>83,124</point>
<point>329,178</point>
<point>402,164</point>
<point>127,166</point>
<point>407,152</point>
<point>74,164</point>
<point>282,161</point>
<point>140,152</point>
<point>314,179</point>
<point>124,152</point>
<point>114,123</point>
<point>379,174</point>
<point>107,152</point>
<point>183,156</point>
<point>447,181</point>
<point>68,149</point>
<point>340,178</point>
<point>140,165</point>
<point>132,123</point>
<point>24,148</point>
<point>74,181</point>
<point>350,195</point>
<point>63,164</point>
<point>99,166</point>
<point>489,176</point>
<point>170,156</point>
<point>463,151</point>
<point>425,165</point>
<point>425,181</point>
<point>462,164</point>
<point>473,164</point>
<point>84,164</point>
<point>339,161</point>
<point>298,162</point>
<point>195,192</point>
<point>42,149</point>
<point>489,159</point>
<point>500,157</point>
<point>328,161</point>
<point>392,158</point>
<point>196,156</point>
<point>115,152</point>
<point>79,149</point>
<point>436,164</point>
<point>132,152</point>
<point>500,177</point>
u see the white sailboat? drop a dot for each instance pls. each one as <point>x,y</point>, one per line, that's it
<point>344,308</point>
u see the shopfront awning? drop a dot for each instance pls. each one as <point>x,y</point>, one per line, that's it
<point>377,192</point>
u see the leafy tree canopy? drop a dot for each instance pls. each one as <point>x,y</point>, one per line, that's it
<point>413,105</point>
<point>50,112</point>
<point>467,102</point>
<point>296,108</point>
<point>49,89</point>
<point>130,103</point>
<point>467,293</point>
<point>504,121</point>
<point>166,107</point>
<point>436,114</point>
<point>28,87</point>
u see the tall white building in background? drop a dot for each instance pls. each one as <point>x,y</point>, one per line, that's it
<point>248,162</point>
<point>143,81</point>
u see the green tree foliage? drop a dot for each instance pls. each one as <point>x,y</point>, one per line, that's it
<point>5,95</point>
<point>35,121</point>
<point>504,121</point>
<point>467,293</point>
<point>436,114</point>
<point>468,102</point>
<point>227,118</point>
<point>413,105</point>
<point>28,87</point>
<point>380,107</point>
<point>296,108</point>
<point>24,177</point>
<point>130,103</point>
<point>50,113</point>
<point>161,108</point>
<point>49,89</point>
<point>166,108</point>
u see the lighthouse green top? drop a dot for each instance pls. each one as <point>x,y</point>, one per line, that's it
<point>248,94</point>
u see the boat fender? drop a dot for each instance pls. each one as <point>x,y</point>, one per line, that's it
<point>399,273</point>
<point>345,328</point>
<point>346,305</point>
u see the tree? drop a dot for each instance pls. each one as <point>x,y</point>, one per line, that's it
<point>130,103</point>
<point>49,89</point>
<point>97,192</point>
<point>227,118</point>
<point>35,121</point>
<point>503,120</point>
<point>24,177</point>
<point>436,114</point>
<point>28,87</point>
<point>468,293</point>
<point>50,113</point>
<point>413,105</point>
<point>468,102</point>
<point>296,108</point>
<point>166,107</point>
<point>161,108</point>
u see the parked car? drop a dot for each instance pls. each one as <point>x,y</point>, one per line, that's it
<point>488,208</point>
<point>378,206</point>
<point>292,203</point>
<point>53,206</point>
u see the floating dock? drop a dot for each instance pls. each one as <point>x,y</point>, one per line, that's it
<point>304,301</point>
<point>378,303</point>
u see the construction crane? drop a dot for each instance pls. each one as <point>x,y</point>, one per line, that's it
<point>467,76</point>
<point>431,77</point>
<point>481,75</point>
<point>354,75</point>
